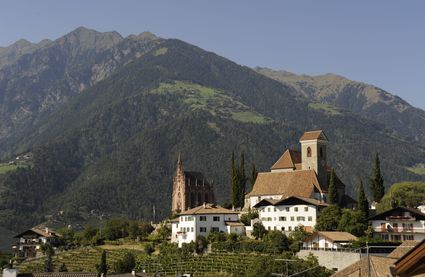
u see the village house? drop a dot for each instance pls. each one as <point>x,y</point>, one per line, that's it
<point>295,190</point>
<point>30,241</point>
<point>328,241</point>
<point>399,224</point>
<point>287,214</point>
<point>203,220</point>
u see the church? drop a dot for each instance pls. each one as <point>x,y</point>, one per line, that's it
<point>190,189</point>
<point>302,173</point>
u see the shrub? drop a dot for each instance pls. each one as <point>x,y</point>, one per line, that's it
<point>126,264</point>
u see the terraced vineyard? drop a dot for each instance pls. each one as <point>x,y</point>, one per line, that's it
<point>80,260</point>
<point>217,264</point>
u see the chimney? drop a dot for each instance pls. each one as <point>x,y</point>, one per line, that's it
<point>133,273</point>
<point>46,229</point>
<point>205,205</point>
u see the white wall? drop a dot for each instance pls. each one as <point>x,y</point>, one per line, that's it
<point>320,242</point>
<point>190,226</point>
<point>287,217</point>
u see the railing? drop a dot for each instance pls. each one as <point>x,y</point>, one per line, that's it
<point>398,230</point>
<point>341,249</point>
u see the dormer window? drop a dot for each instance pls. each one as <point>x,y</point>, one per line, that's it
<point>308,152</point>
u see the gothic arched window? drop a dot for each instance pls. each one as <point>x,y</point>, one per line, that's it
<point>321,152</point>
<point>308,152</point>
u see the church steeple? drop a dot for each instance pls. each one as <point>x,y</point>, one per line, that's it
<point>179,167</point>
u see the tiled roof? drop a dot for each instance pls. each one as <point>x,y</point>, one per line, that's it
<point>338,236</point>
<point>294,183</point>
<point>402,249</point>
<point>292,200</point>
<point>399,211</point>
<point>289,159</point>
<point>379,267</point>
<point>208,209</point>
<point>39,232</point>
<point>319,134</point>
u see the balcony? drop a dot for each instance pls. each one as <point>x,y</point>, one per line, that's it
<point>399,230</point>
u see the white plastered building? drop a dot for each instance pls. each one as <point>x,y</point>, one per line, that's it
<point>203,220</point>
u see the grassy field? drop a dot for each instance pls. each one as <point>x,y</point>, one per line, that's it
<point>214,101</point>
<point>324,107</point>
<point>6,167</point>
<point>418,169</point>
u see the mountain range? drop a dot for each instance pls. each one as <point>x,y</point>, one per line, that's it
<point>105,118</point>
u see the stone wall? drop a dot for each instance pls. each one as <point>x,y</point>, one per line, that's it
<point>332,259</point>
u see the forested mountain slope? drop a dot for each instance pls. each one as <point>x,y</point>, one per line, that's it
<point>113,146</point>
<point>362,99</point>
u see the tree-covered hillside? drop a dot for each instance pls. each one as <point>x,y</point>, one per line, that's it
<point>114,146</point>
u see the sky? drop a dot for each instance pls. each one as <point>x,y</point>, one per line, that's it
<point>377,42</point>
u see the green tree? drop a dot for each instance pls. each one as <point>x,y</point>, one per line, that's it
<point>377,181</point>
<point>353,222</point>
<point>296,237</point>
<point>246,218</point>
<point>242,179</point>
<point>362,203</point>
<point>277,240</point>
<point>201,244</point>
<point>254,173</point>
<point>332,191</point>
<point>328,219</point>
<point>102,268</point>
<point>234,181</point>
<point>48,250</point>
<point>258,230</point>
<point>126,264</point>
<point>63,268</point>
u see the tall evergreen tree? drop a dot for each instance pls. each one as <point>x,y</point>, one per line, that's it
<point>242,182</point>
<point>332,191</point>
<point>254,173</point>
<point>234,181</point>
<point>362,203</point>
<point>102,268</point>
<point>376,181</point>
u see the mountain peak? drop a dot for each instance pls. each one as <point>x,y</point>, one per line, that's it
<point>143,36</point>
<point>85,38</point>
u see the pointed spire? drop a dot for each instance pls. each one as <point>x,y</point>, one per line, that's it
<point>179,164</point>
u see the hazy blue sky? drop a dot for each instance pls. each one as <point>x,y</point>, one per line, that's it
<point>377,42</point>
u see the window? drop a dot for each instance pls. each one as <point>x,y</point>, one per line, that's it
<point>269,219</point>
<point>191,229</point>
<point>269,228</point>
<point>287,209</point>
<point>203,229</point>
<point>274,228</point>
<point>290,228</point>
<point>305,209</point>
<point>292,218</point>
<point>300,218</point>
<point>282,218</point>
<point>308,152</point>
<point>283,228</point>
<point>296,209</point>
<point>321,152</point>
<point>202,218</point>
<point>310,218</point>
<point>274,209</point>
<point>215,229</point>
<point>216,218</point>
<point>268,209</point>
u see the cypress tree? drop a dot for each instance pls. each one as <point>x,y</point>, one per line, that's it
<point>362,203</point>
<point>254,174</point>
<point>332,192</point>
<point>234,181</point>
<point>376,181</point>
<point>242,182</point>
<point>102,268</point>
